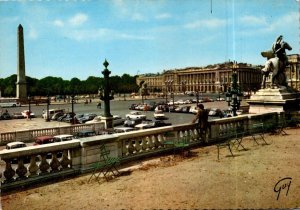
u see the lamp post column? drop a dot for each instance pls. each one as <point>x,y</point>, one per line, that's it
<point>106,95</point>
<point>48,102</point>
<point>29,107</point>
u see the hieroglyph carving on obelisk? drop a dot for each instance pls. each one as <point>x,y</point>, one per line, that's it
<point>21,78</point>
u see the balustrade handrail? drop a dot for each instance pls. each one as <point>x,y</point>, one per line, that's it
<point>39,149</point>
<point>136,144</point>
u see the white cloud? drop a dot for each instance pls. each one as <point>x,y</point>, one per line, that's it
<point>103,33</point>
<point>58,23</point>
<point>32,34</point>
<point>253,20</point>
<point>281,24</point>
<point>206,23</point>
<point>78,19</point>
<point>163,16</point>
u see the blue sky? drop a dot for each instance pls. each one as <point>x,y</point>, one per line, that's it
<point>72,38</point>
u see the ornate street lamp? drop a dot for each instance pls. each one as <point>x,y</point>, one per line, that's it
<point>234,96</point>
<point>106,94</point>
<point>72,112</point>
<point>29,107</point>
<point>48,103</point>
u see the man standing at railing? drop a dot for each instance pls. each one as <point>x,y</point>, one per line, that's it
<point>202,117</point>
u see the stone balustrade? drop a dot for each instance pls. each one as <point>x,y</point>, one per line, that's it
<point>30,135</point>
<point>32,164</point>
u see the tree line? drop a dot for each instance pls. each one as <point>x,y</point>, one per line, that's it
<point>57,86</point>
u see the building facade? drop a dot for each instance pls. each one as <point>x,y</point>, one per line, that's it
<point>212,78</point>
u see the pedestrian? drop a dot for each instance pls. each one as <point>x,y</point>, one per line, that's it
<point>99,105</point>
<point>202,117</point>
<point>27,114</point>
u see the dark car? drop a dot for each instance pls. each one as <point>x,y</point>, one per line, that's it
<point>57,115</point>
<point>132,106</point>
<point>132,122</point>
<point>5,116</point>
<point>183,109</point>
<point>86,117</point>
<point>85,133</point>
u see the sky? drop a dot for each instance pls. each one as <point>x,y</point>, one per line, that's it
<point>71,38</point>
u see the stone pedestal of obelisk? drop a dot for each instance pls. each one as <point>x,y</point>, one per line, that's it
<point>21,78</point>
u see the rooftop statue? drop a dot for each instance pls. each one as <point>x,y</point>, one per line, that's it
<point>276,63</point>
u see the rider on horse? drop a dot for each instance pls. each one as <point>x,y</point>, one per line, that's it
<point>276,63</point>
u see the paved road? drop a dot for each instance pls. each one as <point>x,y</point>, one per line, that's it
<point>118,107</point>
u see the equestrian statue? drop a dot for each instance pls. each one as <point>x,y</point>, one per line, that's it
<point>276,63</point>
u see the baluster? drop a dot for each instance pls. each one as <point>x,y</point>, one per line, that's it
<point>21,169</point>
<point>65,161</point>
<point>130,147</point>
<point>156,141</point>
<point>138,145</point>
<point>150,142</point>
<point>9,171</point>
<point>144,145</point>
<point>33,167</point>
<point>54,162</point>
<point>44,165</point>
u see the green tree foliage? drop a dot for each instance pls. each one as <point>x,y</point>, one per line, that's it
<point>57,86</point>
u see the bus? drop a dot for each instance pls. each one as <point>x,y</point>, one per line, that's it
<point>9,102</point>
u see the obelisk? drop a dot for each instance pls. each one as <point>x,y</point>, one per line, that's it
<point>21,78</point>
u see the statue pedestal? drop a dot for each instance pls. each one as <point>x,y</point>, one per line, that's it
<point>274,100</point>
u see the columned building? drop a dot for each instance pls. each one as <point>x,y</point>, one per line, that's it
<point>212,78</point>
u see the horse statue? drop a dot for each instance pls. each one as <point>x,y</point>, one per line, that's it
<point>276,63</point>
<point>275,66</point>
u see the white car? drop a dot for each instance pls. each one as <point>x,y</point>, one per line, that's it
<point>15,145</point>
<point>123,129</point>
<point>193,109</point>
<point>117,120</point>
<point>136,115</point>
<point>25,113</point>
<point>63,137</point>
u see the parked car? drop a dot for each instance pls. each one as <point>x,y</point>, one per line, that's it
<point>183,109</point>
<point>63,137</point>
<point>6,116</point>
<point>135,115</point>
<point>52,112</point>
<point>132,122</point>
<point>17,115</point>
<point>86,117</point>
<point>220,99</point>
<point>40,140</point>
<point>117,120</point>
<point>85,133</point>
<point>57,115</point>
<point>193,109</point>
<point>25,114</point>
<point>123,129</point>
<point>132,106</point>
<point>151,124</point>
<point>15,145</point>
<point>214,112</point>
